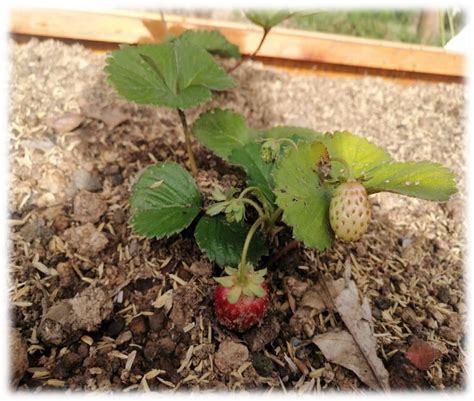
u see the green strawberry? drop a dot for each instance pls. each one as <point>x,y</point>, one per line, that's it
<point>349,211</point>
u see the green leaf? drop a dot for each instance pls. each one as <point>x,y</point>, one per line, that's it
<point>213,41</point>
<point>223,242</point>
<point>176,74</point>
<point>304,201</point>
<point>221,131</point>
<point>234,294</point>
<point>360,154</point>
<point>257,290</point>
<point>267,19</point>
<point>259,173</point>
<point>294,133</point>
<point>425,180</point>
<point>225,281</point>
<point>164,201</point>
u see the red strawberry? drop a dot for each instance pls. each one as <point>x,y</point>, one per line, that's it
<point>238,305</point>
<point>349,211</point>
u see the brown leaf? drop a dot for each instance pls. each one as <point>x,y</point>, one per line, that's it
<point>356,348</point>
<point>67,123</point>
<point>422,354</point>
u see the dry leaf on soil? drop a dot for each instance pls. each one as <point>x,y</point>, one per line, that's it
<point>422,354</point>
<point>356,348</point>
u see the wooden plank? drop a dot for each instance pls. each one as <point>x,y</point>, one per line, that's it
<point>139,27</point>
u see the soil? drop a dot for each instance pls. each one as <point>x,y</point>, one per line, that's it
<point>100,308</point>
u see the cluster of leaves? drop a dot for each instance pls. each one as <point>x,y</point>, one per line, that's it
<point>298,180</point>
<point>291,172</point>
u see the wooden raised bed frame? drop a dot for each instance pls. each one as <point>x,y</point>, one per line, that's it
<point>307,52</point>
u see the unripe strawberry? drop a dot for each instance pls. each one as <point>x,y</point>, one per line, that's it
<point>349,211</point>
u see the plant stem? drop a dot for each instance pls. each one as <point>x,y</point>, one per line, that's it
<point>443,33</point>
<point>248,239</point>
<point>255,206</point>
<point>274,217</point>
<point>344,164</point>
<point>189,148</point>
<point>265,33</point>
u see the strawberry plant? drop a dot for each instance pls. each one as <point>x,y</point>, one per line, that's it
<point>316,184</point>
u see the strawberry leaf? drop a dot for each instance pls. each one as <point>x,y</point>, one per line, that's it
<point>259,173</point>
<point>425,180</point>
<point>221,131</point>
<point>223,241</point>
<point>360,154</point>
<point>176,74</point>
<point>294,133</point>
<point>213,41</point>
<point>267,19</point>
<point>164,201</point>
<point>304,200</point>
<point>422,354</point>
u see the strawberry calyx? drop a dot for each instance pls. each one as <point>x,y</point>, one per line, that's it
<point>250,286</point>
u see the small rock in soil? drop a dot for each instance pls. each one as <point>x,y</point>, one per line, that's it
<point>383,303</point>
<point>259,336</point>
<point>85,239</point>
<point>449,334</point>
<point>66,320</point>
<point>444,295</point>
<point>84,180</point>
<point>410,318</point>
<point>151,350</point>
<point>431,324</point>
<point>67,122</point>
<point>61,223</point>
<point>116,179</point>
<point>403,375</point>
<point>119,216</point>
<point>138,326</point>
<point>88,207</point>
<point>295,287</point>
<point>67,275</point>
<point>124,337</point>
<point>115,326</point>
<point>18,357</point>
<point>157,321</point>
<point>166,345</point>
<point>436,314</point>
<point>36,229</point>
<point>230,356</point>
<point>262,364</point>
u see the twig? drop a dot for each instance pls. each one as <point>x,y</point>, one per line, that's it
<point>265,33</point>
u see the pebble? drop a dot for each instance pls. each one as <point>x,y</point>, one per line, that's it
<point>88,207</point>
<point>449,334</point>
<point>444,295</point>
<point>84,180</point>
<point>86,239</point>
<point>295,287</point>
<point>383,303</point>
<point>66,274</point>
<point>138,326</point>
<point>230,356</point>
<point>166,345</point>
<point>156,321</point>
<point>151,350</point>
<point>431,323</point>
<point>124,337</point>
<point>436,314</point>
